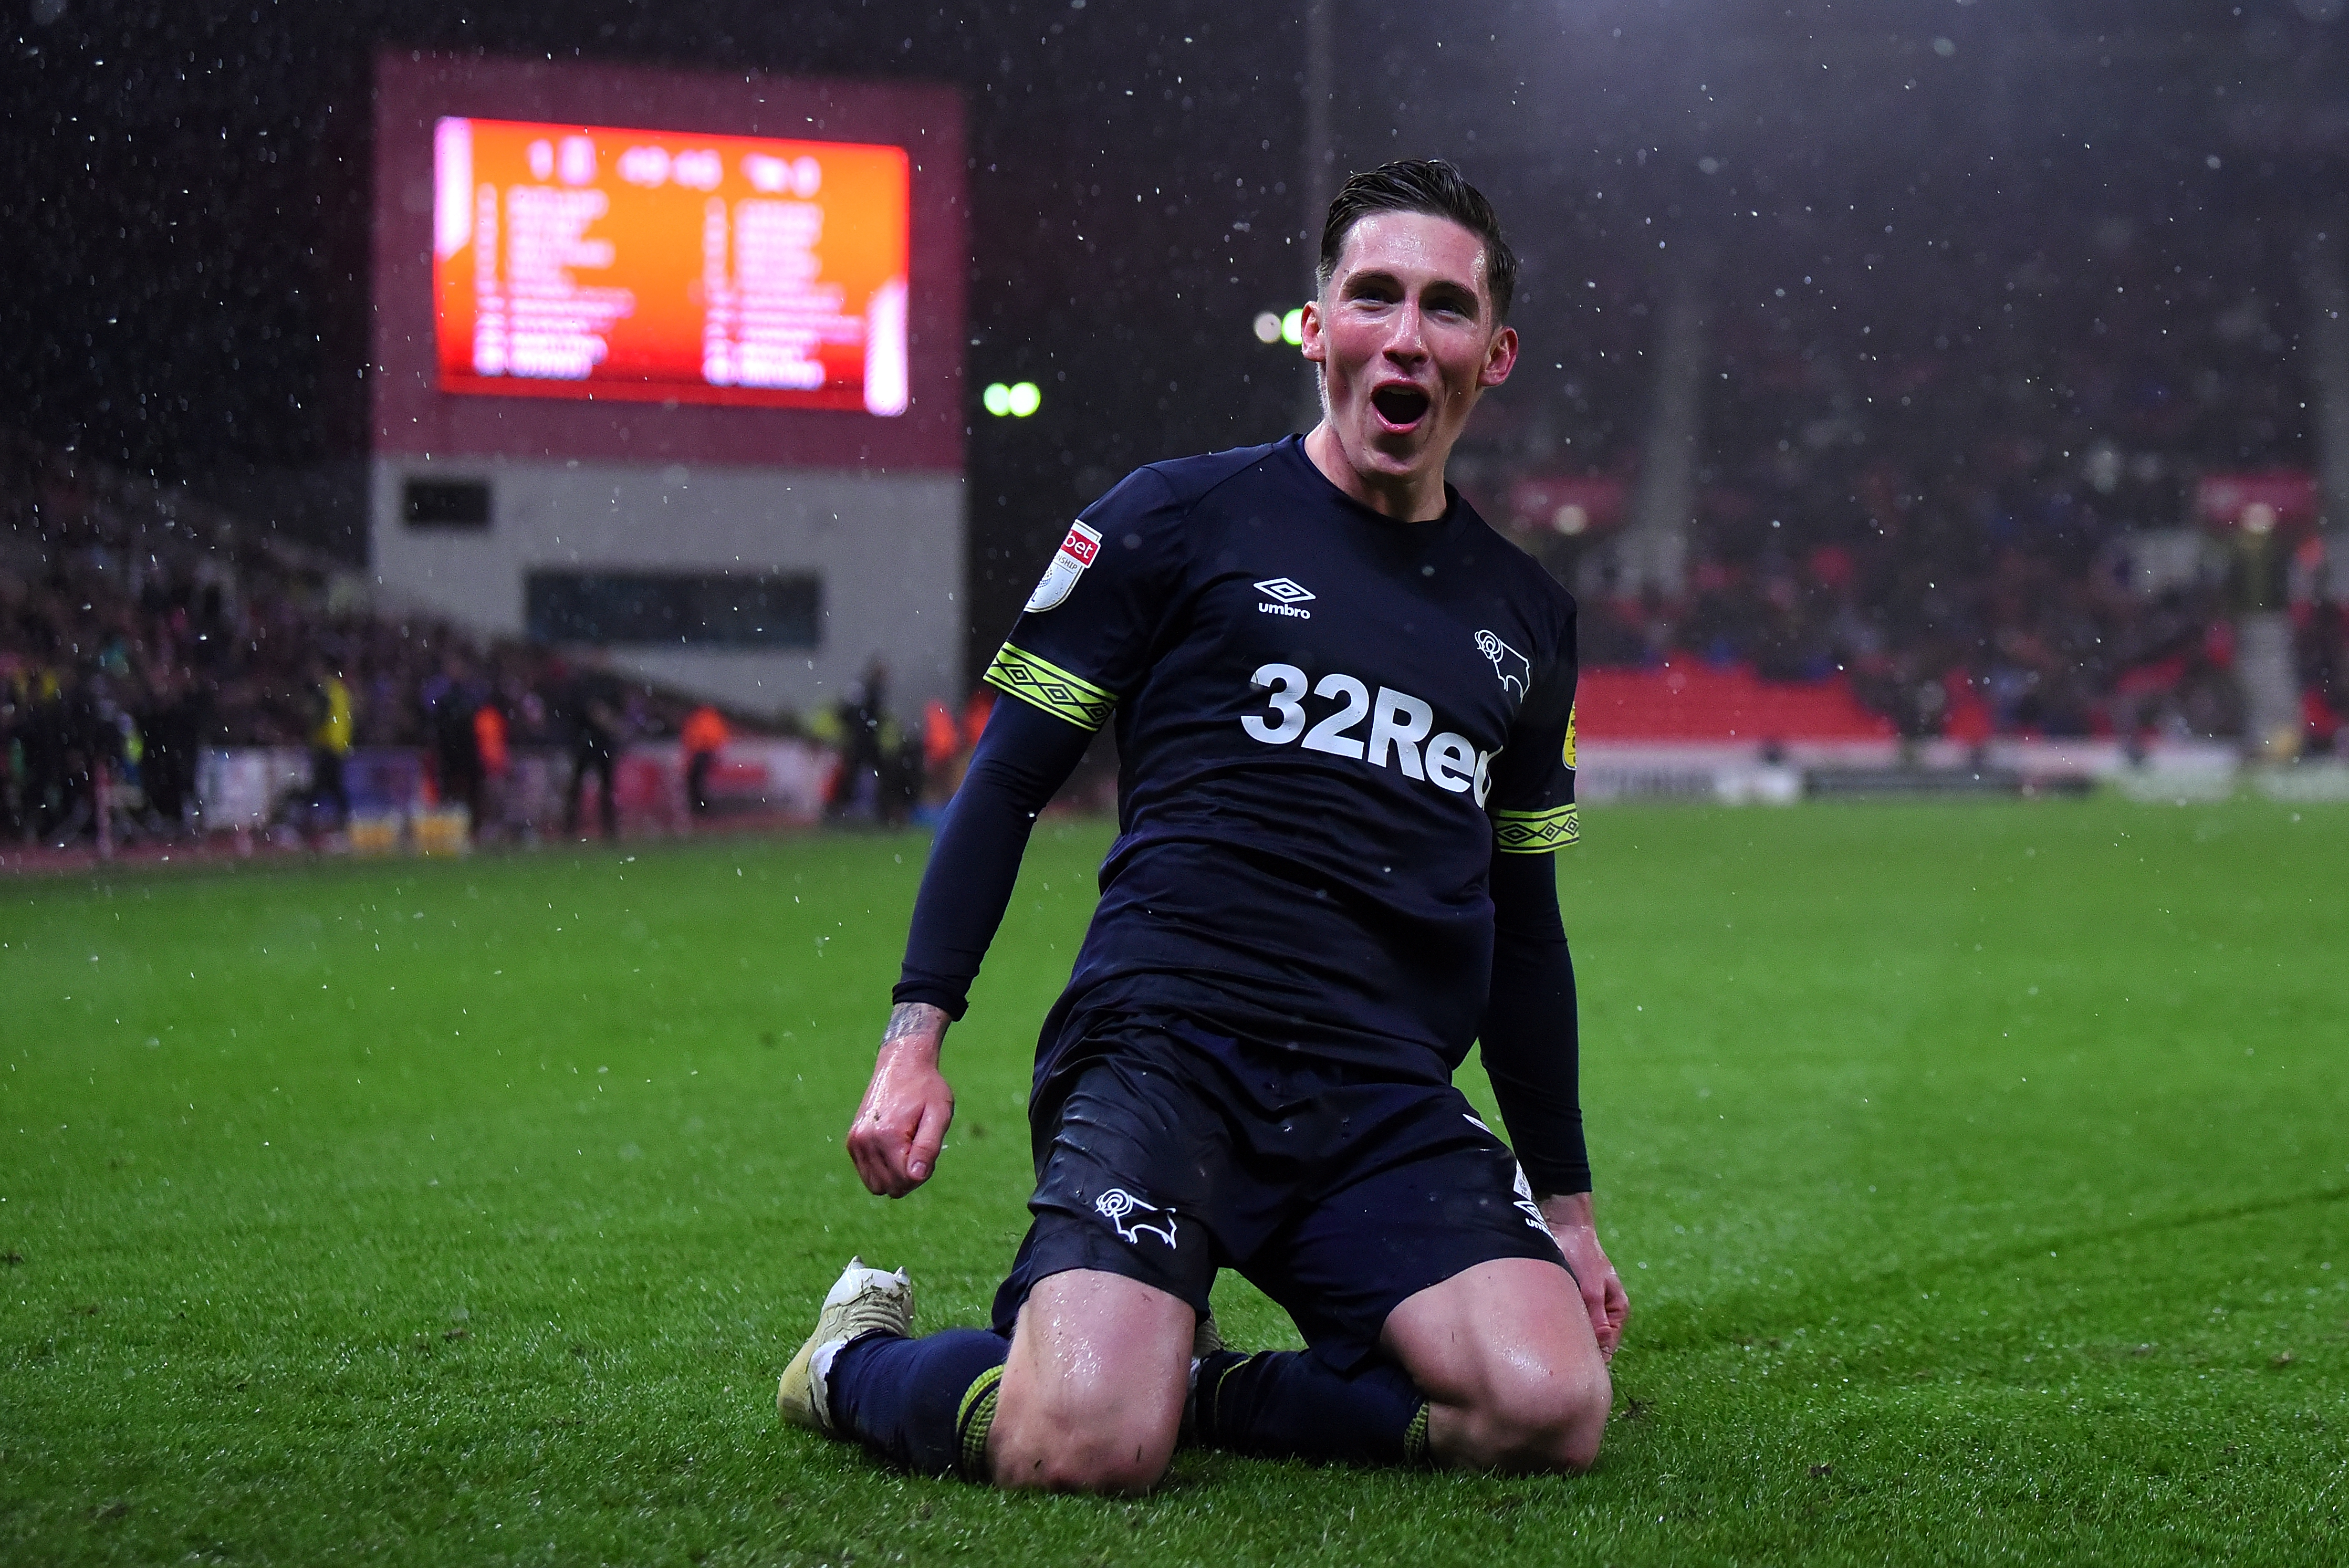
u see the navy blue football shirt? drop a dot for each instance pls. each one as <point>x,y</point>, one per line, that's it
<point>1327,722</point>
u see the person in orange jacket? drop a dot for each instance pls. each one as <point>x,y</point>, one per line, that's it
<point>942,752</point>
<point>497,759</point>
<point>705,732</point>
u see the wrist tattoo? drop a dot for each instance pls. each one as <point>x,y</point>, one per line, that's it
<point>906,1019</point>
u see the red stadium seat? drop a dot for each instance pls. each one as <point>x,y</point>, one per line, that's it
<point>1699,702</point>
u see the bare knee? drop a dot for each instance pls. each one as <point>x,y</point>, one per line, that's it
<point>1551,1423</point>
<point>1101,1450</point>
<point>1578,1424</point>
<point>1092,1396</point>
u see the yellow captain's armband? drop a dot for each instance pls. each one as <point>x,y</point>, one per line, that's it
<point>1536,832</point>
<point>1039,683</point>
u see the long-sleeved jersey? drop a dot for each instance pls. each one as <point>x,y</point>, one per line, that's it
<point>1329,724</point>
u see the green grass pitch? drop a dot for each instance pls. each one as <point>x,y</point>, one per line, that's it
<point>1977,1173</point>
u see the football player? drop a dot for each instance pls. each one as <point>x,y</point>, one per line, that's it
<point>1344,710</point>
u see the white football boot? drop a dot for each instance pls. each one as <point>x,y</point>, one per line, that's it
<point>863,1301</point>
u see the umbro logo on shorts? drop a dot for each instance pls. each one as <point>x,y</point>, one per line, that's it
<point>1528,1207</point>
<point>1120,1208</point>
<point>1525,1204</point>
<point>1287,593</point>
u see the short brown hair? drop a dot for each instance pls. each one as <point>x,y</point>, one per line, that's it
<point>1428,185</point>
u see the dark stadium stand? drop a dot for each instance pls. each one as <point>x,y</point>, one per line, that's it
<point>1943,485</point>
<point>140,629</point>
<point>1914,521</point>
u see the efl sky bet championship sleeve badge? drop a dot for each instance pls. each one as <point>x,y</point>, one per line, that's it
<point>1069,563</point>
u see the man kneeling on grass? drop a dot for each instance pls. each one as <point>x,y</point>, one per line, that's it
<point>1345,708</point>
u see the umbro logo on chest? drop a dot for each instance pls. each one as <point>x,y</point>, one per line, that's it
<point>1283,596</point>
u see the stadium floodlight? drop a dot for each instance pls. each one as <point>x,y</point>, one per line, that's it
<point>1023,399</point>
<point>1267,327</point>
<point>995,399</point>
<point>1292,326</point>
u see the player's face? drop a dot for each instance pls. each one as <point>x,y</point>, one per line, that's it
<point>1406,339</point>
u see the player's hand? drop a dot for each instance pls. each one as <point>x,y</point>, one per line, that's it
<point>1572,1223</point>
<point>908,1106</point>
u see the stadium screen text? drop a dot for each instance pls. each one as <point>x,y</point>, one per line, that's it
<point>586,262</point>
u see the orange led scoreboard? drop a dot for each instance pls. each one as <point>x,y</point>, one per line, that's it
<point>578,261</point>
<point>583,261</point>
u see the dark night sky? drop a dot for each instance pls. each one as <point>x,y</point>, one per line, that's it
<point>184,189</point>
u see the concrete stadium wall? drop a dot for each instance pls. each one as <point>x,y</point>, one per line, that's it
<point>886,548</point>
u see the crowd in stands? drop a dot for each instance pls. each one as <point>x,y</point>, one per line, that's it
<point>1924,482</point>
<point>140,627</point>
<point>1928,490</point>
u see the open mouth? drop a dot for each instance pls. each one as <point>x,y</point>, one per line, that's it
<point>1399,407</point>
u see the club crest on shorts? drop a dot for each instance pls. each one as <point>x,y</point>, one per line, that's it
<point>1512,666</point>
<point>1069,563</point>
<point>1120,1207</point>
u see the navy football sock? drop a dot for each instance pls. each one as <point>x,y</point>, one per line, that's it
<point>926,1404</point>
<point>1283,1404</point>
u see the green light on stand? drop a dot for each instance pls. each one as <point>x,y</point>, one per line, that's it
<point>1016,401</point>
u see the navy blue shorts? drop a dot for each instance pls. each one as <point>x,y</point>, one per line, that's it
<point>1165,1152</point>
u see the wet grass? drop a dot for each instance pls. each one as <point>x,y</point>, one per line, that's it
<point>1980,1175</point>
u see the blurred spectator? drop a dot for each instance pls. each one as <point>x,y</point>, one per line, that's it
<point>699,741</point>
<point>2259,561</point>
<point>942,754</point>
<point>61,746</point>
<point>2323,646</point>
<point>171,732</point>
<point>591,709</point>
<point>450,703</point>
<point>330,743</point>
<point>977,709</point>
<point>866,740</point>
<point>12,764</point>
<point>496,760</point>
<point>900,778</point>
